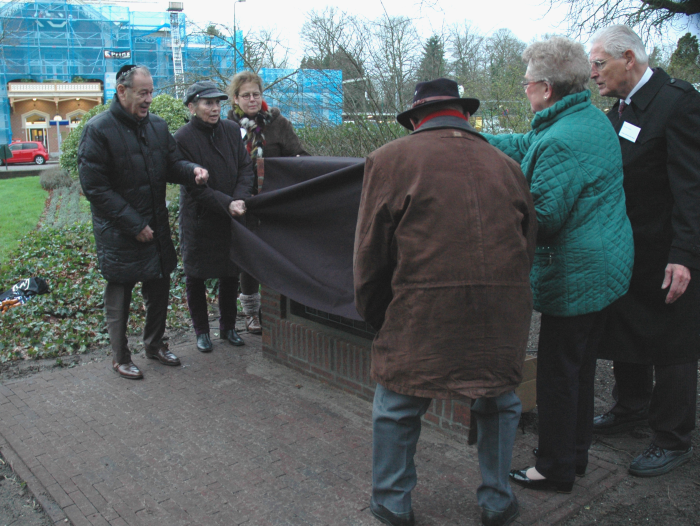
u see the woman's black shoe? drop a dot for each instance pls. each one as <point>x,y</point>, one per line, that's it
<point>204,343</point>
<point>232,337</point>
<point>519,477</point>
<point>580,470</point>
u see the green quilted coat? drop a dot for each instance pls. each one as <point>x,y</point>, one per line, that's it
<point>572,161</point>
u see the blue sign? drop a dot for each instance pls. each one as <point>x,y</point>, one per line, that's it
<point>62,123</point>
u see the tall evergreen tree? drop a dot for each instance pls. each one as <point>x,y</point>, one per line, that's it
<point>433,64</point>
<point>684,60</point>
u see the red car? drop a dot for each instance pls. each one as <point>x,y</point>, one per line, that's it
<point>27,152</point>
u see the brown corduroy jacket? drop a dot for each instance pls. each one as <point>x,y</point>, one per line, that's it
<point>443,248</point>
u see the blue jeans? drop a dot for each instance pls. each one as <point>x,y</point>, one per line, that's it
<point>396,421</point>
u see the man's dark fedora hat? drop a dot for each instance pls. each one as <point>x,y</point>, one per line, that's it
<point>433,93</point>
<point>204,89</point>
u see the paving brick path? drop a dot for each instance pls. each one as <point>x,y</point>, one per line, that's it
<point>228,439</point>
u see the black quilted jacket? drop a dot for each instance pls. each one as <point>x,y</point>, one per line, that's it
<point>124,164</point>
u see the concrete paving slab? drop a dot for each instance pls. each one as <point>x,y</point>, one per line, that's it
<point>230,438</point>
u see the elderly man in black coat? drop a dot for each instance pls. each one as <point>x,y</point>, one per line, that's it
<point>654,328</point>
<point>125,157</point>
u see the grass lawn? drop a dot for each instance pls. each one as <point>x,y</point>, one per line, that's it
<point>21,204</point>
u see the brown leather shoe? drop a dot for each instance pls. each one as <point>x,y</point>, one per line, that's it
<point>163,355</point>
<point>127,370</point>
<point>252,324</point>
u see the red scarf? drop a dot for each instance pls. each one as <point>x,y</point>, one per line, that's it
<point>441,113</point>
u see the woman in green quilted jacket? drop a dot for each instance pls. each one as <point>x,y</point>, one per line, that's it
<point>583,262</point>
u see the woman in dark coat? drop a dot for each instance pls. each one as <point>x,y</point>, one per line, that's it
<point>266,134</point>
<point>205,213</point>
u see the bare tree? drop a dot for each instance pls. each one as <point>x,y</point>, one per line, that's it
<point>265,48</point>
<point>587,16</point>
<point>503,101</point>
<point>394,61</point>
<point>212,46</point>
<point>378,61</point>
<point>466,46</point>
<point>333,41</point>
<point>328,37</point>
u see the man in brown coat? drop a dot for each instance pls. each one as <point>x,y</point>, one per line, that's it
<point>443,248</point>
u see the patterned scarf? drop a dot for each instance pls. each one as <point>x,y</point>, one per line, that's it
<point>255,128</point>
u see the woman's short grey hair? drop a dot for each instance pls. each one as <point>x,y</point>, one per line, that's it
<point>561,62</point>
<point>127,78</point>
<point>618,39</point>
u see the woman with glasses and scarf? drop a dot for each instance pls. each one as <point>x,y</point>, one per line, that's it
<point>266,134</point>
<point>583,259</point>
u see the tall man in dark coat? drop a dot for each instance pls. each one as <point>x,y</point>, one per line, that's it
<point>444,243</point>
<point>125,157</point>
<point>654,328</point>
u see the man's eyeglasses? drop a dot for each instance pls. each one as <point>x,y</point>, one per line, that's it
<point>598,65</point>
<point>256,95</point>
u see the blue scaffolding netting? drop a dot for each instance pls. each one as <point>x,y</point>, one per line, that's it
<point>69,40</point>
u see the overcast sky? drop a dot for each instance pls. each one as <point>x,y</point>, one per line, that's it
<point>527,19</point>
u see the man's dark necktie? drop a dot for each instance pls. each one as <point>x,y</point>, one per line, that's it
<point>621,109</point>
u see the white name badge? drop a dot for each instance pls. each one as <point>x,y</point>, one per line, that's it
<point>629,132</point>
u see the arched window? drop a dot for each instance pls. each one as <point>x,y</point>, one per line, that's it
<point>75,116</point>
<point>36,125</point>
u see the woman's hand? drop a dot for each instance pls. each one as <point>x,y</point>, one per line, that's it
<point>237,208</point>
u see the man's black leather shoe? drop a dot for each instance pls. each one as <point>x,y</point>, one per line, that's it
<point>658,461</point>
<point>387,517</point>
<point>501,518</point>
<point>519,477</point>
<point>232,337</point>
<point>611,424</point>
<point>204,343</point>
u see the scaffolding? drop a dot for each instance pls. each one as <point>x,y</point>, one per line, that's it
<point>76,41</point>
<point>307,97</point>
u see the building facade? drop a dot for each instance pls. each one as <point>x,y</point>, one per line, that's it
<point>60,58</point>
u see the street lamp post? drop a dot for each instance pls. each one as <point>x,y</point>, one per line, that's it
<point>58,120</point>
<point>235,38</point>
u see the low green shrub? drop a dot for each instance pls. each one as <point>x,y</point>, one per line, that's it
<point>356,139</point>
<point>70,318</point>
<point>69,146</point>
<point>55,177</point>
<point>170,109</point>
